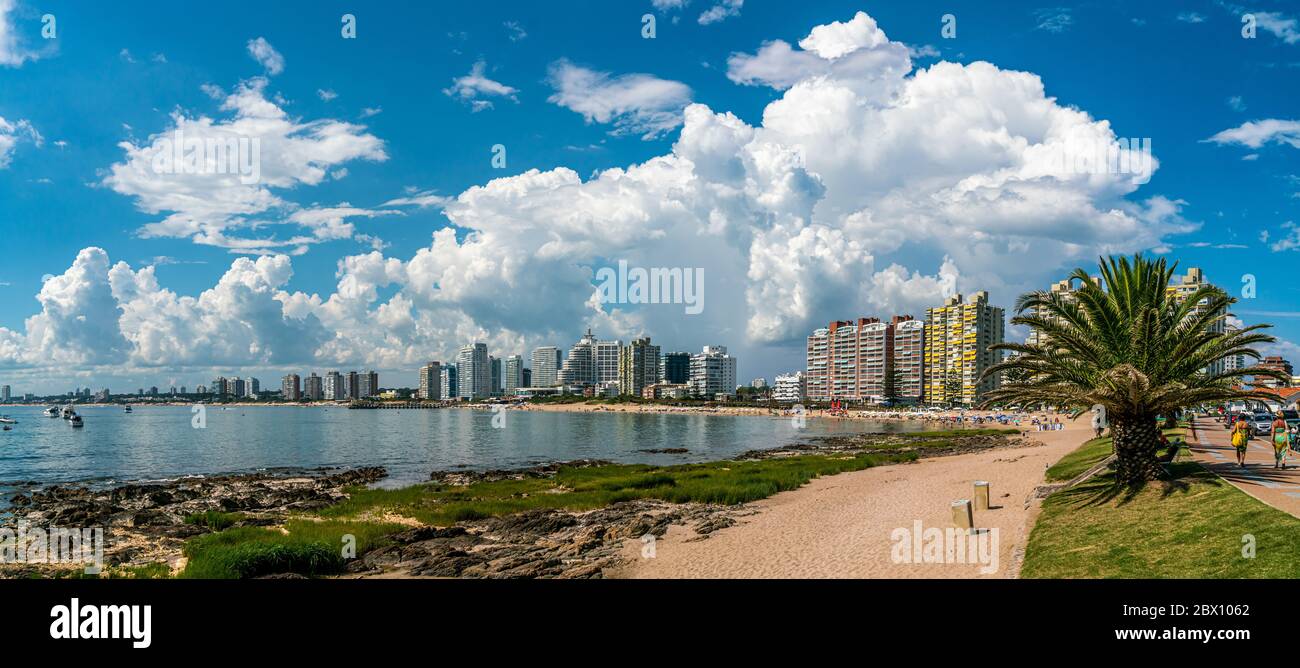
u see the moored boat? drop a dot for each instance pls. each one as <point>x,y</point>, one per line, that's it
<point>75,421</point>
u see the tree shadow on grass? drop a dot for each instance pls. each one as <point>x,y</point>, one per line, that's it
<point>1104,490</point>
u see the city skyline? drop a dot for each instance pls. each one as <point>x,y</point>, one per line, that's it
<point>366,253</point>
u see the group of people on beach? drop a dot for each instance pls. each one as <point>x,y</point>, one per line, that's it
<point>1282,437</point>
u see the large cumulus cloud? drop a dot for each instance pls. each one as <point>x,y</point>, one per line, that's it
<point>867,188</point>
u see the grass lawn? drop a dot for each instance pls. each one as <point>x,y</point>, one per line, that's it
<point>1094,451</point>
<point>1191,526</point>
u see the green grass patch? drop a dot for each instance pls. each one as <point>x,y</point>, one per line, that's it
<point>308,548</point>
<point>1188,527</point>
<point>214,519</point>
<point>1082,459</point>
<point>587,488</point>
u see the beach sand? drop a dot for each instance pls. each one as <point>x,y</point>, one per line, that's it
<point>840,526</point>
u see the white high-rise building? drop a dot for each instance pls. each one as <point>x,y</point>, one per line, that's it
<point>789,388</point>
<point>546,366</point>
<point>473,372</point>
<point>513,377</point>
<point>713,372</point>
<point>334,389</point>
<point>580,366</point>
<point>607,361</point>
<point>251,388</point>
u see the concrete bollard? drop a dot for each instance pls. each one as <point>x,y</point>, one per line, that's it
<point>961,514</point>
<point>981,495</point>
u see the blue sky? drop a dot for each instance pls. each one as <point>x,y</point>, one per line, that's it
<point>408,114</point>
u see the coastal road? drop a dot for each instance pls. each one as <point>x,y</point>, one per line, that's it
<point>842,526</point>
<point>1279,488</point>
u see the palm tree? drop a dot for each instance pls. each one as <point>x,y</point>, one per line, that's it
<point>1132,348</point>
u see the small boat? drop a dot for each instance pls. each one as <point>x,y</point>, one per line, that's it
<point>128,409</point>
<point>69,412</point>
<point>8,428</point>
<point>5,419</point>
<point>52,411</point>
<point>75,421</point>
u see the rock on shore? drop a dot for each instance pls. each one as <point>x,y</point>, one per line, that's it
<point>145,523</point>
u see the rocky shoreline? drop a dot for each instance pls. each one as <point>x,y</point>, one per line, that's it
<point>147,523</point>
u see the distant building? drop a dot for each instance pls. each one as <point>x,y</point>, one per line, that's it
<point>314,387</point>
<point>638,367</point>
<point>431,382</point>
<point>1276,364</point>
<point>1183,290</point>
<point>667,391</point>
<point>253,388</point>
<point>607,353</point>
<point>675,368</point>
<point>527,378</point>
<point>789,388</point>
<point>497,382</point>
<point>291,387</point>
<point>334,388</point>
<point>367,384</point>
<point>546,367</point>
<point>579,366</point>
<point>352,385</point>
<point>909,359</point>
<point>758,383</point>
<point>713,372</point>
<point>4,393</point>
<point>513,377</point>
<point>958,337</point>
<point>473,374</point>
<point>449,384</point>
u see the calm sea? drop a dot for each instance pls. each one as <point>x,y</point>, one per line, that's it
<point>158,443</point>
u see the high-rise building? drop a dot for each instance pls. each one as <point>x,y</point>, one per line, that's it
<point>431,381</point>
<point>291,387</point>
<point>514,374</point>
<point>252,388</point>
<point>314,387</point>
<point>546,367</point>
<point>4,393</point>
<point>496,382</point>
<point>527,378</point>
<point>850,360</point>
<point>1187,286</point>
<point>367,384</point>
<point>909,359</point>
<point>789,388</point>
<point>607,361</point>
<point>579,366</point>
<point>1275,363</point>
<point>473,375</point>
<point>220,387</point>
<point>713,372</point>
<point>352,385</point>
<point>958,337</point>
<point>675,368</point>
<point>638,366</point>
<point>449,384</point>
<point>334,387</point>
<point>236,387</point>
<point>1067,290</point>
<point>1233,362</point>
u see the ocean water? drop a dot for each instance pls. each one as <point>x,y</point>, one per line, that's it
<point>159,443</point>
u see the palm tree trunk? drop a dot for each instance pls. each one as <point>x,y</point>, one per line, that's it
<point>1136,441</point>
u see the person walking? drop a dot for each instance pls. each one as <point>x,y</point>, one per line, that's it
<point>1241,440</point>
<point>1281,441</point>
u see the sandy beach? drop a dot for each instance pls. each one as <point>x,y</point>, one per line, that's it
<point>840,526</point>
